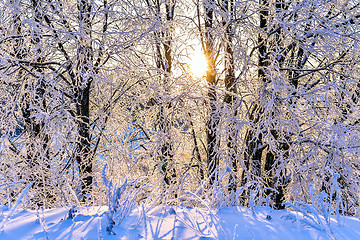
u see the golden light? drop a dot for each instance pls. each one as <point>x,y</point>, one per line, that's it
<point>198,64</point>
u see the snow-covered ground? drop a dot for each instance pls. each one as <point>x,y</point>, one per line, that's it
<point>175,223</point>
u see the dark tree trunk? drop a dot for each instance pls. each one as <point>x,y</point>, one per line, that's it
<point>258,154</point>
<point>213,119</point>
<point>166,150</point>
<point>254,148</point>
<point>166,65</point>
<point>82,87</point>
<point>230,85</point>
<point>37,156</point>
<point>254,142</point>
<point>163,60</point>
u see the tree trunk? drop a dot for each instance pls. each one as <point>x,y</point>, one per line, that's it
<point>213,119</point>
<point>258,154</point>
<point>37,156</point>
<point>230,86</point>
<point>254,142</point>
<point>82,100</point>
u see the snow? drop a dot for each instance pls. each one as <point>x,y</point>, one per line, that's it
<point>174,223</point>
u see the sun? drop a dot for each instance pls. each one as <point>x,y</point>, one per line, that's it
<point>198,64</point>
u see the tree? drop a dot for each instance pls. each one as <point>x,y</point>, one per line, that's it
<point>230,86</point>
<point>163,60</point>
<point>293,63</point>
<point>68,60</point>
<point>213,121</point>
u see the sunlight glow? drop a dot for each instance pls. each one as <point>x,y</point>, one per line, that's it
<point>198,64</point>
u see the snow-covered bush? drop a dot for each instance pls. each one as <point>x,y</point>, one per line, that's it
<point>14,207</point>
<point>322,209</point>
<point>121,199</point>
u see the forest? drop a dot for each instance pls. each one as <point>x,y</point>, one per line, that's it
<point>198,103</point>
